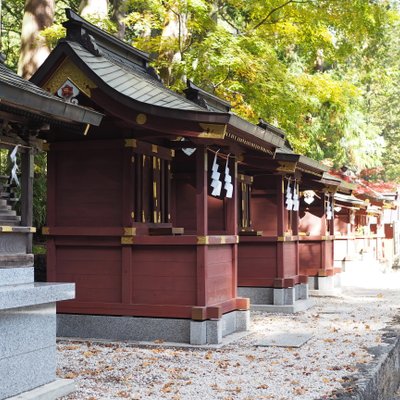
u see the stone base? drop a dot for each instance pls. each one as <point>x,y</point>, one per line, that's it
<point>27,331</point>
<point>29,294</point>
<point>300,305</point>
<point>325,285</point>
<point>50,391</point>
<point>27,348</point>
<point>151,329</point>
<point>269,299</point>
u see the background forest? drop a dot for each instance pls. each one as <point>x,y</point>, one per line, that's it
<point>325,71</point>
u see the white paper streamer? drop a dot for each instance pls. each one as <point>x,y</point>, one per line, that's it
<point>228,180</point>
<point>216,184</point>
<point>289,199</point>
<point>329,213</point>
<point>296,200</point>
<point>14,169</point>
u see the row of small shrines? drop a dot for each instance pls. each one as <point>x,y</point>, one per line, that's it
<point>170,214</point>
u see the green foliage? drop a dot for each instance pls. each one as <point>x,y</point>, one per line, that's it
<point>325,71</point>
<point>287,62</point>
<point>12,13</point>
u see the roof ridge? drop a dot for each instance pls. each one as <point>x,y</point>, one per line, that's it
<point>78,29</point>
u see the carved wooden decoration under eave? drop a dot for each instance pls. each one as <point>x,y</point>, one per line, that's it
<point>212,131</point>
<point>68,70</point>
<point>285,166</point>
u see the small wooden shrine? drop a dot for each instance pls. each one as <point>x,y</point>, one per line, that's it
<point>270,269</point>
<point>344,223</point>
<point>143,211</point>
<point>316,233</point>
<point>27,309</point>
<point>364,225</point>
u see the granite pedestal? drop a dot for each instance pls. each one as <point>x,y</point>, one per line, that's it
<point>28,330</point>
<point>325,285</point>
<point>286,300</point>
<point>151,329</point>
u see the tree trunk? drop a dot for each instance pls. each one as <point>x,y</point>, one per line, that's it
<point>38,15</point>
<point>97,8</point>
<point>172,38</point>
<point>118,14</point>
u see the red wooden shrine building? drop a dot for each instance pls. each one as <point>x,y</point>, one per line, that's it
<point>159,214</point>
<point>364,225</point>
<point>141,211</point>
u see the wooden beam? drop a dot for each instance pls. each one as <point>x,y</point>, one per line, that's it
<point>27,172</point>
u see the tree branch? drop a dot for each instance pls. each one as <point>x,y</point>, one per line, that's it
<point>222,81</point>
<point>277,9</point>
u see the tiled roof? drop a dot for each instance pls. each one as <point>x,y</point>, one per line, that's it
<point>132,81</point>
<point>10,78</point>
<point>22,94</point>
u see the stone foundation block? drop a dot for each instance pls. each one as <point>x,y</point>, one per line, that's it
<point>149,329</point>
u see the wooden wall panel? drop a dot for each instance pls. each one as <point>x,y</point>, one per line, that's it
<point>184,203</point>
<point>289,259</point>
<point>329,251</point>
<point>88,187</point>
<point>310,258</point>
<point>96,272</point>
<point>216,215</point>
<point>256,263</point>
<point>264,214</point>
<point>312,223</point>
<point>164,275</point>
<point>389,231</point>
<point>341,222</point>
<point>219,273</point>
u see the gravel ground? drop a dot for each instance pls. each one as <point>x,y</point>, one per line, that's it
<point>343,329</point>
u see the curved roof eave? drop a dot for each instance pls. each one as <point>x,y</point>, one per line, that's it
<point>63,49</point>
<point>20,94</point>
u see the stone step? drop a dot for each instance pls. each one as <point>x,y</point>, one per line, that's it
<point>12,242</point>
<point>7,212</point>
<point>10,217</point>
<point>30,294</point>
<point>6,209</point>
<point>16,275</point>
<point>16,260</point>
<point>10,222</point>
<point>3,203</point>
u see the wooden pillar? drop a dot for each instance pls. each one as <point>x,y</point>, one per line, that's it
<point>232,223</point>
<point>280,199</point>
<point>128,187</point>
<point>295,229</point>
<point>201,223</point>
<point>51,186</point>
<point>51,214</point>
<point>27,172</point>
<point>127,219</point>
<point>281,211</point>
